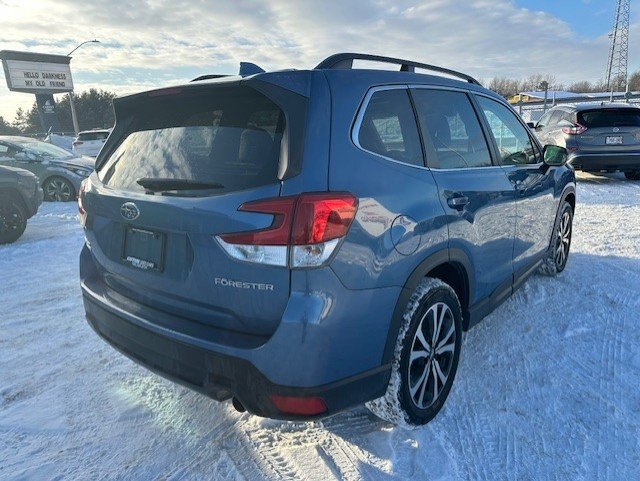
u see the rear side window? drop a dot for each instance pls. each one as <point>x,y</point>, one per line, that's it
<point>512,138</point>
<point>451,130</point>
<point>609,118</point>
<point>389,129</point>
<point>228,137</point>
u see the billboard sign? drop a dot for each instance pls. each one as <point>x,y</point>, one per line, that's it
<point>36,73</point>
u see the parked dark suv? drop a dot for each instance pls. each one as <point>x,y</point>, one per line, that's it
<point>602,137</point>
<point>20,197</point>
<point>306,241</point>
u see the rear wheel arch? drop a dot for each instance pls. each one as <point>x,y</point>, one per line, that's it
<point>453,267</point>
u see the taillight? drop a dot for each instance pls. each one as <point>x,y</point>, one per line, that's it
<point>82,213</point>
<point>304,232</point>
<point>576,129</point>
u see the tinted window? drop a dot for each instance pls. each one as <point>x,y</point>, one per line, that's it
<point>389,127</point>
<point>87,136</point>
<point>609,118</point>
<point>511,137</point>
<point>450,130</point>
<point>230,136</point>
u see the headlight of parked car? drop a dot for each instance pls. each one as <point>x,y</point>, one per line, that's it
<point>80,172</point>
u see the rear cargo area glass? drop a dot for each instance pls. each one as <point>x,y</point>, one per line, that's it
<point>609,118</point>
<point>227,136</point>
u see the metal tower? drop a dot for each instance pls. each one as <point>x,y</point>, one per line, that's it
<point>619,50</point>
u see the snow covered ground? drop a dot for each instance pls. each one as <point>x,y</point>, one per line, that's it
<point>548,386</point>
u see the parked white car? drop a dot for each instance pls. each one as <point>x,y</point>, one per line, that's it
<point>90,142</point>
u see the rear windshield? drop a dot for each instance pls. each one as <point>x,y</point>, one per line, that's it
<point>228,137</point>
<point>609,118</point>
<point>86,136</point>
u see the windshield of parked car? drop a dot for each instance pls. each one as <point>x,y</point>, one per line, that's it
<point>229,138</point>
<point>42,149</point>
<point>610,118</point>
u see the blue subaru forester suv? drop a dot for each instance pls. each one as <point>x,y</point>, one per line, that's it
<point>306,241</point>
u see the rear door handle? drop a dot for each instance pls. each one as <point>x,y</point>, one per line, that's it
<point>458,202</point>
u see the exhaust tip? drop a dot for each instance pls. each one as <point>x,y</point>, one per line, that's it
<point>238,405</point>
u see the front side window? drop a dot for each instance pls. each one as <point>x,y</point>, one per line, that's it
<point>44,150</point>
<point>512,139</point>
<point>556,116</point>
<point>388,127</point>
<point>451,130</point>
<point>544,120</point>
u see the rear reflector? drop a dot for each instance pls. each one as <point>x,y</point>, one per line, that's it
<point>301,406</point>
<point>304,232</point>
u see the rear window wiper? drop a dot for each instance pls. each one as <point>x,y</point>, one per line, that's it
<point>160,185</point>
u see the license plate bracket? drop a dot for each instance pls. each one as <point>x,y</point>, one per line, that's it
<point>614,140</point>
<point>143,249</point>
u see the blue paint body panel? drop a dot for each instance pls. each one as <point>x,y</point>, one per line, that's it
<point>326,326</point>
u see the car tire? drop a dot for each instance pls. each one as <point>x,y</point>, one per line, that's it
<point>13,218</point>
<point>426,357</point>
<point>58,189</point>
<point>632,174</point>
<point>560,245</point>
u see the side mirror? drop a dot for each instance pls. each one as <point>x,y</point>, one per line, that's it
<point>531,125</point>
<point>554,155</point>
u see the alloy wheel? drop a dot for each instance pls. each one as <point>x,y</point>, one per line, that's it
<point>11,218</point>
<point>563,240</point>
<point>59,190</point>
<point>431,356</point>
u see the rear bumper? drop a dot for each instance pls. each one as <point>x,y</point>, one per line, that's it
<point>223,371</point>
<point>610,162</point>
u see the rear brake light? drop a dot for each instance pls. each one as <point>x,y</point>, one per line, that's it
<point>577,129</point>
<point>304,232</point>
<point>301,406</point>
<point>82,213</point>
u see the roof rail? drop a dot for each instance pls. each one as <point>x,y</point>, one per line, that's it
<point>207,77</point>
<point>345,61</point>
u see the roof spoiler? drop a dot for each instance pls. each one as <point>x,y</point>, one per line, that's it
<point>345,61</point>
<point>246,69</point>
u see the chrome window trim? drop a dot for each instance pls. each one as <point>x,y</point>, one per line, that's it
<point>355,130</point>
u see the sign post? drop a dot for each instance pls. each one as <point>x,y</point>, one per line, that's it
<point>40,74</point>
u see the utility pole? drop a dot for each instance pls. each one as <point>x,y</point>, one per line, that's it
<point>72,105</point>
<point>616,75</point>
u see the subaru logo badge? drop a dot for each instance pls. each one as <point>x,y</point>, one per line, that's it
<point>129,211</point>
<point>616,129</point>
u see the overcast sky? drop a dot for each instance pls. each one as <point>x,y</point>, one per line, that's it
<point>158,42</point>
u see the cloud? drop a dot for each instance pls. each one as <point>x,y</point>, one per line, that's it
<point>153,42</point>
